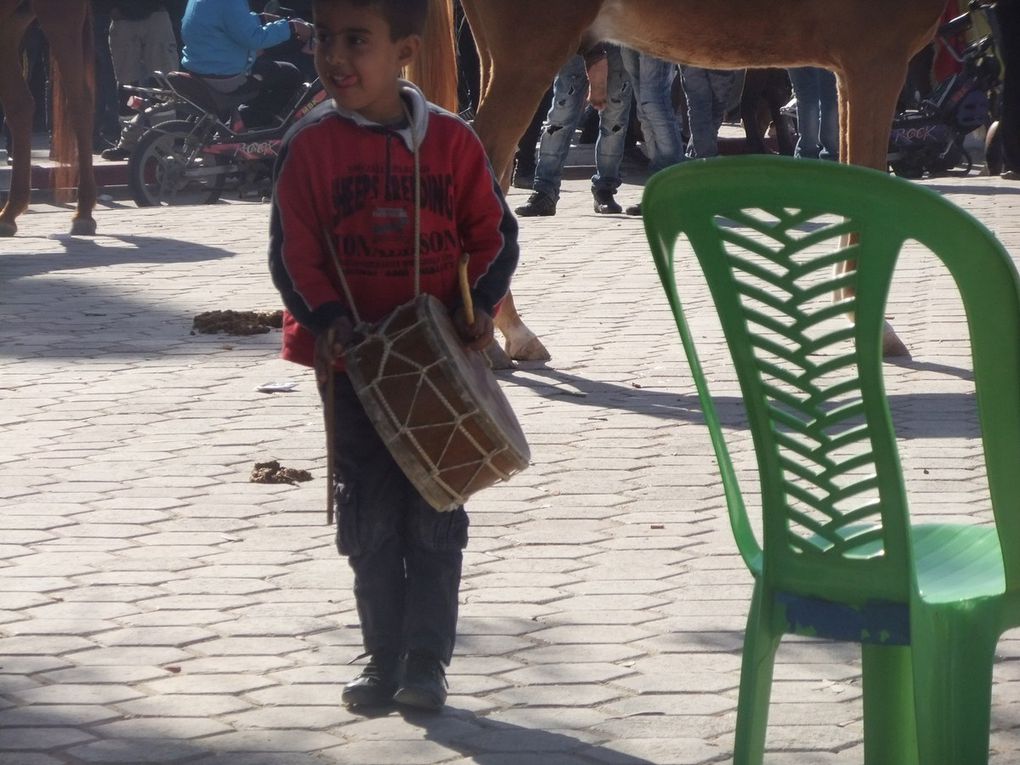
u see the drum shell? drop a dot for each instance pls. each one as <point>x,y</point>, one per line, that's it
<point>436,406</point>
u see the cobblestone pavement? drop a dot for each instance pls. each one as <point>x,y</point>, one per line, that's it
<point>156,607</point>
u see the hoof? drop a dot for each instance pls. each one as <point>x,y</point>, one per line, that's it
<point>532,350</point>
<point>497,357</point>
<point>892,346</point>
<point>83,227</point>
<point>8,229</point>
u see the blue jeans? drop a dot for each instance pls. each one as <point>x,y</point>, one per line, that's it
<point>817,112</point>
<point>708,93</point>
<point>570,94</point>
<point>651,79</point>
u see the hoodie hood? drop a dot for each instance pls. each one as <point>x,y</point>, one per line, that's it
<point>417,107</point>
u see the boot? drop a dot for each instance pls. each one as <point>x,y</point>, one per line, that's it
<point>634,209</point>
<point>133,130</point>
<point>375,685</point>
<point>539,204</point>
<point>424,683</point>
<point>605,202</point>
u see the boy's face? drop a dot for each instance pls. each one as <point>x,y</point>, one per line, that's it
<point>357,61</point>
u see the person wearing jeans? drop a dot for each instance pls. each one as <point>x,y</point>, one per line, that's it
<point>652,79</point>
<point>708,93</point>
<point>570,93</point>
<point>817,112</point>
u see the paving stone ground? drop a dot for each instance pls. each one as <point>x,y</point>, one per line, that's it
<point>156,607</point>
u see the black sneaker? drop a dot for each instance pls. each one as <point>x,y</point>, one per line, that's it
<point>424,683</point>
<point>605,202</point>
<point>539,204</point>
<point>634,209</point>
<point>115,153</point>
<point>375,685</point>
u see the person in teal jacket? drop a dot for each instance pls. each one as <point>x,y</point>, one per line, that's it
<point>222,39</point>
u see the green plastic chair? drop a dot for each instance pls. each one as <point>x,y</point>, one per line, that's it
<point>839,557</point>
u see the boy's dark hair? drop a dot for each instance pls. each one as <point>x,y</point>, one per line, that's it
<point>405,17</point>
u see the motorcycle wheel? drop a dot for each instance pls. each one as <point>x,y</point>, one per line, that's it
<point>161,170</point>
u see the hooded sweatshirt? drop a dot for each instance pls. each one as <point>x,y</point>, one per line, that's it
<point>343,177</point>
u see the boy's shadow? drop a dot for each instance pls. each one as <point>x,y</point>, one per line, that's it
<point>495,742</point>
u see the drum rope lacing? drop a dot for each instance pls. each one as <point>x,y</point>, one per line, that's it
<point>329,385</point>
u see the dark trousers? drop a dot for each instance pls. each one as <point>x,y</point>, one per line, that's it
<point>280,83</point>
<point>1009,27</point>
<point>406,557</point>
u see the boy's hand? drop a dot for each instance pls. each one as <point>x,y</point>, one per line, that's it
<point>475,336</point>
<point>331,344</point>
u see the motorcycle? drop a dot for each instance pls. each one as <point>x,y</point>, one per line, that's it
<point>192,160</point>
<point>930,138</point>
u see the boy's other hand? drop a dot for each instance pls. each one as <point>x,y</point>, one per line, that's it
<point>475,336</point>
<point>330,345</point>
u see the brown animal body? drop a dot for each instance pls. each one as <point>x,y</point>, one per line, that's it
<point>523,43</point>
<point>66,25</point>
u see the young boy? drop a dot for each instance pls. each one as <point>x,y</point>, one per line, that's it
<point>347,172</point>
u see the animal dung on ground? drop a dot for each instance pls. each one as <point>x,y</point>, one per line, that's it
<point>237,322</point>
<point>274,472</point>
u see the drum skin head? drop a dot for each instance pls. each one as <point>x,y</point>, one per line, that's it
<point>437,406</point>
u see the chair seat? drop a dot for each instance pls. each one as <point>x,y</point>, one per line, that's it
<point>956,562</point>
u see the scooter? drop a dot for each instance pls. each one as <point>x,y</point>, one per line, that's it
<point>192,161</point>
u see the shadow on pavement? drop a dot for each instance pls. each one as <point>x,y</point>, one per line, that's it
<point>976,188</point>
<point>917,415</point>
<point>48,311</point>
<point>495,742</point>
<point>86,252</point>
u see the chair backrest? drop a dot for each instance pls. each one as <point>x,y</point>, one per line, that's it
<point>767,232</point>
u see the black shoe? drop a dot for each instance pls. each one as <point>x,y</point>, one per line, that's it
<point>605,202</point>
<point>424,683</point>
<point>116,154</point>
<point>634,209</point>
<point>375,685</point>
<point>539,204</point>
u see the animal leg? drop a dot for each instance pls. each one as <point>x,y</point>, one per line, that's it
<point>18,106</point>
<point>500,122</point>
<point>64,27</point>
<point>867,102</point>
<point>515,75</point>
<point>521,343</point>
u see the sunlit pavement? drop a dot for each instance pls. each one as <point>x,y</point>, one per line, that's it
<point>157,607</point>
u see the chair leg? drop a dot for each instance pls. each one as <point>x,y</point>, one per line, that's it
<point>953,657</point>
<point>761,639</point>
<point>890,728</point>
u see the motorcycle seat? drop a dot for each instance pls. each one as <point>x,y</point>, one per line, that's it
<point>193,89</point>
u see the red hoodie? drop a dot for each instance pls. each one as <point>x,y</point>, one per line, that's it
<point>339,175</point>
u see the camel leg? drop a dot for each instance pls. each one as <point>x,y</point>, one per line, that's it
<point>66,44</point>
<point>867,103</point>
<point>18,107</point>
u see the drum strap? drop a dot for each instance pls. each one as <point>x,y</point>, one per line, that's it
<point>328,401</point>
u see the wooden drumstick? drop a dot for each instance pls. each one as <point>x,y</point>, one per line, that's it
<point>465,289</point>
<point>329,410</point>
